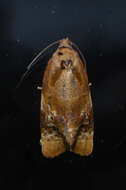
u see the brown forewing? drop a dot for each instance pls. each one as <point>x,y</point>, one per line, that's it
<point>66,105</point>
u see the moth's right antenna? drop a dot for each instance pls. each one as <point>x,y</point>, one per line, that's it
<point>81,54</point>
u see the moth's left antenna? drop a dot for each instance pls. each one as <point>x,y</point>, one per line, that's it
<point>35,60</point>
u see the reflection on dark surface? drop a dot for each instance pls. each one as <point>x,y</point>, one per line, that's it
<point>99,30</point>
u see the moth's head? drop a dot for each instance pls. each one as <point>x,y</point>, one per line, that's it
<point>65,57</point>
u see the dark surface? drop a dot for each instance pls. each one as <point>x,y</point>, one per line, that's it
<point>99,28</point>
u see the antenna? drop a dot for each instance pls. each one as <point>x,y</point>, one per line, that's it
<point>81,54</point>
<point>35,60</point>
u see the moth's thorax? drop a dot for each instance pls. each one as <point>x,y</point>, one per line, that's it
<point>67,85</point>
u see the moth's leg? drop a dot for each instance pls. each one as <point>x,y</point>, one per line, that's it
<point>52,143</point>
<point>39,88</point>
<point>90,84</point>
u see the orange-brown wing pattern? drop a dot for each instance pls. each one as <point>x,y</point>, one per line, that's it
<point>66,107</point>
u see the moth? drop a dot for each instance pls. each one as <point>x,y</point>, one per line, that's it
<point>66,112</point>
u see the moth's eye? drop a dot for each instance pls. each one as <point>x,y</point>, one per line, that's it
<point>60,53</point>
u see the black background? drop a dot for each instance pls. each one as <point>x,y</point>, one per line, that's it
<point>98,28</point>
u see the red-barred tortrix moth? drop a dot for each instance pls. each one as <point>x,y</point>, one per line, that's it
<point>66,112</point>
